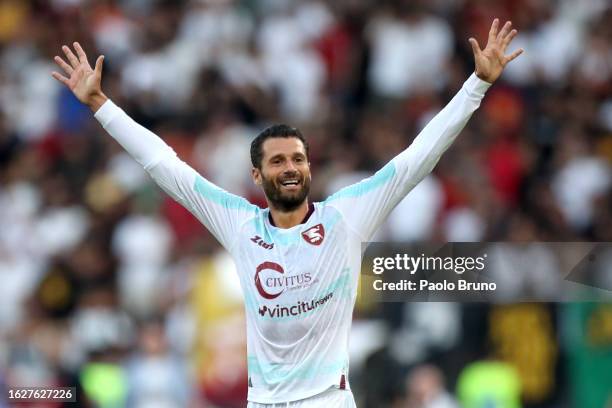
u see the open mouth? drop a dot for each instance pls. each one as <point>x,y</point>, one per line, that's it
<point>290,183</point>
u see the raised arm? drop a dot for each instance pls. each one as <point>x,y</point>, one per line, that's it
<point>222,213</point>
<point>85,84</point>
<point>419,159</point>
<point>366,204</point>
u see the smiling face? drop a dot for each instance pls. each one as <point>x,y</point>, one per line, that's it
<point>284,173</point>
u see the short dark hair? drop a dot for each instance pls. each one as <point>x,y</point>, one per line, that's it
<point>270,132</point>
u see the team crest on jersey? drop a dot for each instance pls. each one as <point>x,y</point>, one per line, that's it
<point>314,235</point>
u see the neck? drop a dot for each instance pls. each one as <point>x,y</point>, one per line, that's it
<point>288,219</point>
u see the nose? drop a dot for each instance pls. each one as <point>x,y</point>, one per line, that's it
<point>290,166</point>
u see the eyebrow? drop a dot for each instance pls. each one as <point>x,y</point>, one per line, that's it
<point>281,155</point>
<point>277,156</point>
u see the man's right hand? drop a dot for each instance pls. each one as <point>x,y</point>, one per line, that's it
<point>83,81</point>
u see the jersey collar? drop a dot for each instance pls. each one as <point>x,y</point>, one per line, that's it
<point>306,217</point>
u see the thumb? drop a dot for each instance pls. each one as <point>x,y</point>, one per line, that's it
<point>475,46</point>
<point>99,62</point>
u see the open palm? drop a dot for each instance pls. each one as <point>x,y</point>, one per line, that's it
<point>491,61</point>
<point>81,79</point>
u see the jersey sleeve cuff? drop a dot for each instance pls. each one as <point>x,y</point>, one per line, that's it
<point>476,87</point>
<point>106,113</point>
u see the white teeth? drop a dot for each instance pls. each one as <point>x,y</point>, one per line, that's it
<point>290,183</point>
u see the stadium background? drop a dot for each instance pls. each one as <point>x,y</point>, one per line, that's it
<point>108,284</point>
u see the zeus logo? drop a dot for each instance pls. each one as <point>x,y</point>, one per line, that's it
<point>267,266</point>
<point>259,241</point>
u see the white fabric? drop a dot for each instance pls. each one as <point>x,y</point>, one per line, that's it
<point>399,49</point>
<point>576,186</point>
<point>299,283</point>
<point>331,398</point>
<point>463,225</point>
<point>426,200</point>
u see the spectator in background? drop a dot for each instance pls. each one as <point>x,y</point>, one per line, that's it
<point>402,37</point>
<point>489,384</point>
<point>155,378</point>
<point>425,389</point>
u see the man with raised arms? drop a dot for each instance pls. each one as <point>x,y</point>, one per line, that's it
<point>298,261</point>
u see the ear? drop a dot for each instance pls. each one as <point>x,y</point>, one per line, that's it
<point>256,176</point>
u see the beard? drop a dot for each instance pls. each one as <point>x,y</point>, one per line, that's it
<point>284,200</point>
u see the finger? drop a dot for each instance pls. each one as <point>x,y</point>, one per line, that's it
<point>493,30</point>
<point>60,78</point>
<point>63,64</point>
<point>80,52</point>
<point>514,55</point>
<point>99,63</point>
<point>504,31</point>
<point>475,47</point>
<point>509,38</point>
<point>71,57</point>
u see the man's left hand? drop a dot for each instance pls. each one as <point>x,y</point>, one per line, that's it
<point>491,61</point>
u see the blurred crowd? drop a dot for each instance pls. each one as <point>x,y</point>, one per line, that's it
<point>108,285</point>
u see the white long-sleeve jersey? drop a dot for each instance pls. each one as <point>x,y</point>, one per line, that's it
<point>299,283</point>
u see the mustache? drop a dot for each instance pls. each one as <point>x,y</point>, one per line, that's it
<point>289,174</point>
<point>292,175</point>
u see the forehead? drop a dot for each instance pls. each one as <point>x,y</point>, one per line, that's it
<point>282,145</point>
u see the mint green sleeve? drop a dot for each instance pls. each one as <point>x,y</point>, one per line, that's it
<point>220,212</point>
<point>366,204</point>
